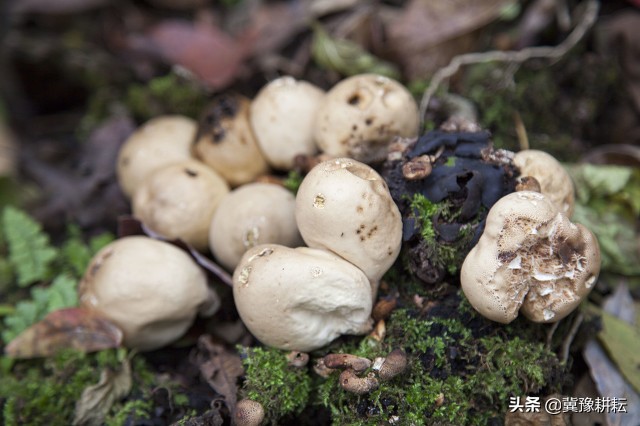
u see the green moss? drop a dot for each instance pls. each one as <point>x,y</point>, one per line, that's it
<point>137,409</point>
<point>454,376</point>
<point>281,389</point>
<point>293,181</point>
<point>425,210</point>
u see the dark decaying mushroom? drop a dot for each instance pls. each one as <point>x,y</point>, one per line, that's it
<point>444,203</point>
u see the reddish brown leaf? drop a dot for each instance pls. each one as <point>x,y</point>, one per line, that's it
<point>213,56</point>
<point>75,328</point>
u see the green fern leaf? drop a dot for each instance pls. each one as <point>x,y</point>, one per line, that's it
<point>60,294</point>
<point>29,250</point>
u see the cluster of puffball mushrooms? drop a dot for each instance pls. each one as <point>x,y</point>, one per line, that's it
<point>306,268</point>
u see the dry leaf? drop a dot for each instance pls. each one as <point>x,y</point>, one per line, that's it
<point>220,368</point>
<point>71,328</point>
<point>96,400</point>
<point>213,56</point>
<point>427,34</point>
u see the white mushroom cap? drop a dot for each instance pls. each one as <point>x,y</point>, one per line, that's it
<point>282,116</point>
<point>530,257</point>
<point>300,299</point>
<point>362,114</point>
<point>226,143</point>
<point>256,213</point>
<point>345,206</point>
<point>555,182</point>
<point>150,289</point>
<point>159,142</point>
<point>178,201</point>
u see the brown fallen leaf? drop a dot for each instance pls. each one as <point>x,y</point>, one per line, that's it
<point>220,368</point>
<point>97,400</point>
<point>427,34</point>
<point>70,328</point>
<point>205,50</point>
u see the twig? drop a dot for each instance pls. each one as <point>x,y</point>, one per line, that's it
<point>517,56</point>
<point>521,131</point>
<point>566,343</point>
<point>551,332</point>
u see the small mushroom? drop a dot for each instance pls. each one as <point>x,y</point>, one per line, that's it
<point>350,382</point>
<point>256,213</point>
<point>356,363</point>
<point>297,359</point>
<point>159,142</point>
<point>300,299</point>
<point>282,116</point>
<point>178,201</point>
<point>150,289</point>
<point>394,364</point>
<point>553,179</point>
<point>530,257</point>
<point>226,143</point>
<point>344,206</point>
<point>248,413</point>
<point>360,116</point>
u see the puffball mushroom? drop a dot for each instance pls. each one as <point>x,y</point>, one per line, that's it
<point>178,201</point>
<point>555,182</point>
<point>360,116</point>
<point>226,143</point>
<point>256,213</point>
<point>530,258</point>
<point>344,206</point>
<point>159,142</point>
<point>300,299</point>
<point>282,116</point>
<point>150,289</point>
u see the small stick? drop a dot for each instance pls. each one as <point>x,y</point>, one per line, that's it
<point>517,56</point>
<point>566,343</point>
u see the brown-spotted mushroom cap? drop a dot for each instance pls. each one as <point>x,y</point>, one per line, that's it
<point>150,289</point>
<point>554,180</point>
<point>300,299</point>
<point>345,206</point>
<point>256,213</point>
<point>159,142</point>
<point>178,201</point>
<point>226,143</point>
<point>530,258</point>
<point>282,116</point>
<point>360,116</point>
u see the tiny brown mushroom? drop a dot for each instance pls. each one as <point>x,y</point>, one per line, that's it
<point>358,385</point>
<point>321,369</point>
<point>356,363</point>
<point>248,413</point>
<point>417,168</point>
<point>297,359</point>
<point>528,183</point>
<point>393,365</point>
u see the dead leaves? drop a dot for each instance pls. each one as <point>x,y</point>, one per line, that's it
<point>71,328</point>
<point>96,400</point>
<point>220,368</point>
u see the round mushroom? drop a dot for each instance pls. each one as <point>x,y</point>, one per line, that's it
<point>555,182</point>
<point>178,201</point>
<point>530,258</point>
<point>159,142</point>
<point>226,143</point>
<point>282,116</point>
<point>300,299</point>
<point>344,206</point>
<point>256,213</point>
<point>360,116</point>
<point>150,289</point>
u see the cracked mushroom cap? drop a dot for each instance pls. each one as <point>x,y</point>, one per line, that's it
<point>178,201</point>
<point>300,299</point>
<point>282,116</point>
<point>360,116</point>
<point>344,206</point>
<point>554,180</point>
<point>150,289</point>
<point>256,213</point>
<point>226,143</point>
<point>530,258</point>
<point>159,142</point>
